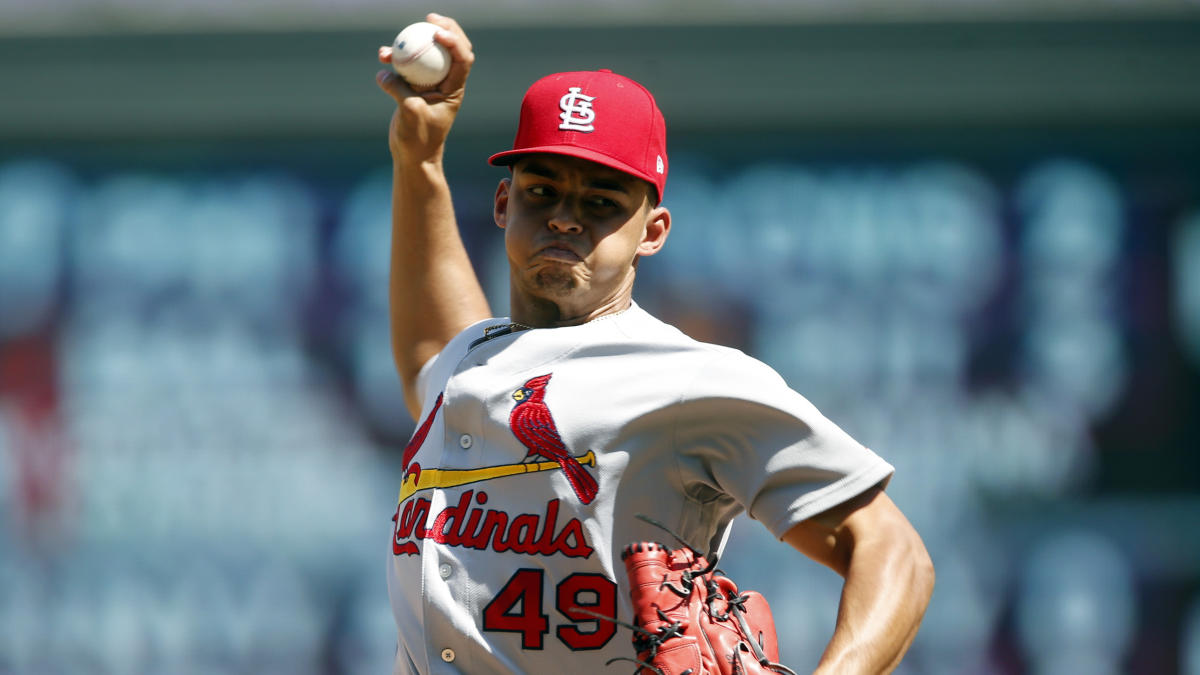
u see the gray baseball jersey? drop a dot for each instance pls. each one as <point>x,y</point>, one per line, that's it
<point>535,450</point>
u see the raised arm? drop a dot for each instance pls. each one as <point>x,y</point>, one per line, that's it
<point>434,292</point>
<point>888,580</point>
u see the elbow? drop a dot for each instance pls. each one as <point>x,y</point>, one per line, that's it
<point>406,359</point>
<point>923,574</point>
<point>408,368</point>
<point>409,356</point>
<point>913,560</point>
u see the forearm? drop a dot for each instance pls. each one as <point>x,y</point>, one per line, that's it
<point>888,583</point>
<point>434,292</point>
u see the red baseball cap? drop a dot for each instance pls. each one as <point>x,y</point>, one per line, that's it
<point>594,115</point>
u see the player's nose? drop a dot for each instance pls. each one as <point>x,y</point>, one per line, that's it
<point>564,220</point>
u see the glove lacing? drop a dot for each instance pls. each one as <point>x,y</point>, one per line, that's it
<point>649,641</point>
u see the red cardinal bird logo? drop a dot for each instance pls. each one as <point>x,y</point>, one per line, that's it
<point>532,425</point>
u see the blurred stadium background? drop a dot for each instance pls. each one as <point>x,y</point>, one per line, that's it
<point>968,231</point>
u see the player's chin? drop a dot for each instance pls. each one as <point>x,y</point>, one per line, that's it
<point>556,280</point>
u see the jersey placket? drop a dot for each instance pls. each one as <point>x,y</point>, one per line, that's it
<point>446,585</point>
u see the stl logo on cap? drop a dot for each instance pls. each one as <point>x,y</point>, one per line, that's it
<point>577,113</point>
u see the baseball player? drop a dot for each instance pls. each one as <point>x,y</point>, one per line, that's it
<point>541,436</point>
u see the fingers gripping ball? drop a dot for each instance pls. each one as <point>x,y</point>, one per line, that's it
<point>418,58</point>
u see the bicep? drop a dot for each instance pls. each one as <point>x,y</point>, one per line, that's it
<point>829,537</point>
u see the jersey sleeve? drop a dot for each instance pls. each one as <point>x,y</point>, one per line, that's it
<point>741,431</point>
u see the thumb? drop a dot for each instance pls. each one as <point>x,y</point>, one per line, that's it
<point>393,84</point>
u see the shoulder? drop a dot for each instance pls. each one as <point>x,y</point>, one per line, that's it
<point>437,370</point>
<point>468,337</point>
<point>642,327</point>
<point>710,370</point>
<point>717,363</point>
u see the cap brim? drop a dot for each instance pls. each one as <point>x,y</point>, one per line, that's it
<point>510,157</point>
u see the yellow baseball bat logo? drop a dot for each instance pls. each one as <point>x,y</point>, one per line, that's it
<point>428,479</point>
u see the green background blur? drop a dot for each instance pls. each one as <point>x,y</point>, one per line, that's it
<point>968,232</point>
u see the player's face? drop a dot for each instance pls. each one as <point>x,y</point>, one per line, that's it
<point>574,231</point>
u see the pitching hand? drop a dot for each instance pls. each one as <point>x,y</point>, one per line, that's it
<point>423,118</point>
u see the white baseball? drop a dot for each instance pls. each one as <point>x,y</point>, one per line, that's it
<point>418,58</point>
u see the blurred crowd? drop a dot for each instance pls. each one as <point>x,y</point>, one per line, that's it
<point>199,417</point>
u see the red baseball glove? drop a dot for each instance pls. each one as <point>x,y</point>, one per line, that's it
<point>691,620</point>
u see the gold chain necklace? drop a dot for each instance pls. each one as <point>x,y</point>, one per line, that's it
<point>498,330</point>
<point>506,328</point>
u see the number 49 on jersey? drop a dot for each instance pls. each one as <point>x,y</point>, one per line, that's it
<point>518,608</point>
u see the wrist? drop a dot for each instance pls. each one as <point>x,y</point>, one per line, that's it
<point>411,149</point>
<point>417,163</point>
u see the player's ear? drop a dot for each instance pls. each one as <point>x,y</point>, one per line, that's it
<point>500,206</point>
<point>658,226</point>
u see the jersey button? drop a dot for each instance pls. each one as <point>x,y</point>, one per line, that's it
<point>465,441</point>
<point>445,570</point>
<point>448,655</point>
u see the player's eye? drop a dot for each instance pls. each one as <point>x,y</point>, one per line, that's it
<point>543,191</point>
<point>602,203</point>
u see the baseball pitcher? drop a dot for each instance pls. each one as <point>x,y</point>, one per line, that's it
<point>516,542</point>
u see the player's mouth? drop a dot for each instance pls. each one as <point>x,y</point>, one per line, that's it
<point>558,252</point>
